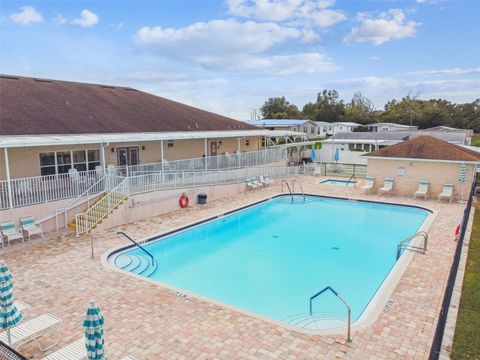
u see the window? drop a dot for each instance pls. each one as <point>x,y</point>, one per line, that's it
<point>325,129</point>
<point>351,146</point>
<point>305,130</point>
<point>60,162</point>
<point>247,142</point>
<point>170,144</point>
<point>312,130</point>
<point>47,163</point>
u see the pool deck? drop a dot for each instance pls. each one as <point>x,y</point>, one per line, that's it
<point>145,320</point>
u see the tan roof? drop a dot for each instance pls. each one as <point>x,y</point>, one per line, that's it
<point>427,147</point>
<point>31,106</point>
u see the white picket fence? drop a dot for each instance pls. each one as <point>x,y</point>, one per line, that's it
<point>40,189</point>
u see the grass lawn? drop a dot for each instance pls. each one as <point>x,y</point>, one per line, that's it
<point>476,140</point>
<point>466,343</point>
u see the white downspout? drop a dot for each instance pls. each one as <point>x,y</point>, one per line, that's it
<point>161,159</point>
<point>206,153</point>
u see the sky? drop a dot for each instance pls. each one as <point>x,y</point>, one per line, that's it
<point>230,56</point>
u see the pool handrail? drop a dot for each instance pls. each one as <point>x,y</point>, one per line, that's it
<point>351,178</point>
<point>405,243</point>
<point>349,339</point>
<point>138,245</point>
<point>288,186</point>
<point>301,188</point>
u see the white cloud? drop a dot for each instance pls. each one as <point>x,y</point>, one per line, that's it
<point>27,15</point>
<point>389,25</point>
<point>376,58</point>
<point>307,12</point>
<point>87,18</point>
<point>231,45</point>
<point>447,72</point>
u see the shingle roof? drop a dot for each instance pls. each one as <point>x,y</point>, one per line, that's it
<point>427,147</point>
<point>31,106</point>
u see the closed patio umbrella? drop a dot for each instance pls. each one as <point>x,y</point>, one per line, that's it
<point>337,155</point>
<point>312,154</point>
<point>94,340</point>
<point>10,316</point>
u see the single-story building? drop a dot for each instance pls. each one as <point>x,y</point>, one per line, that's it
<point>380,127</point>
<point>305,126</point>
<point>325,129</point>
<point>48,127</point>
<point>423,158</point>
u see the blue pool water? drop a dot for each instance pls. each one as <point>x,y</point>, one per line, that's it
<point>270,258</point>
<point>338,182</point>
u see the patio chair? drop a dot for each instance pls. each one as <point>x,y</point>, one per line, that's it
<point>75,176</point>
<point>447,192</point>
<point>369,184</point>
<point>422,189</point>
<point>251,184</point>
<point>257,182</point>
<point>267,179</point>
<point>31,330</point>
<point>264,181</point>
<point>387,186</point>
<point>30,227</point>
<point>73,351</point>
<point>99,170</point>
<point>10,232</point>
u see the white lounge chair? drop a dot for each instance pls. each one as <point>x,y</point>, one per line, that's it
<point>31,330</point>
<point>30,227</point>
<point>422,189</point>
<point>387,186</point>
<point>264,181</point>
<point>10,232</point>
<point>267,179</point>
<point>446,193</point>
<point>369,184</point>
<point>251,184</point>
<point>24,308</point>
<point>73,351</point>
<point>257,182</point>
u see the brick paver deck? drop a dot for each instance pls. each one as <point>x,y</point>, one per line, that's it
<point>145,320</point>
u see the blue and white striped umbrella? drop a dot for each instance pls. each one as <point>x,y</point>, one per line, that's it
<point>312,154</point>
<point>9,316</point>
<point>94,340</point>
<point>463,173</point>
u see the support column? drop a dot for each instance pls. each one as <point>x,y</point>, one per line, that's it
<point>7,172</point>
<point>102,158</point>
<point>206,153</point>
<point>162,159</point>
<point>265,150</point>
<point>238,152</point>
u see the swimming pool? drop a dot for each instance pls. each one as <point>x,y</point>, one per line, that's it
<point>338,182</point>
<point>270,258</point>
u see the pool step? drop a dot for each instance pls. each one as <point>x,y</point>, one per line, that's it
<point>297,199</point>
<point>137,264</point>
<point>317,321</point>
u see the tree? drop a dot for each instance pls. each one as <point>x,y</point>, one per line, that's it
<point>328,107</point>
<point>360,109</point>
<point>279,108</point>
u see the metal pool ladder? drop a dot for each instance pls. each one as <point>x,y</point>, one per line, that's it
<point>288,186</point>
<point>300,185</point>
<point>138,245</point>
<point>404,244</point>
<point>349,339</point>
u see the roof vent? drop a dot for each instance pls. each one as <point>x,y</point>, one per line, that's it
<point>9,77</point>
<point>196,124</point>
<point>130,89</point>
<point>44,80</point>
<point>107,87</point>
<point>405,138</point>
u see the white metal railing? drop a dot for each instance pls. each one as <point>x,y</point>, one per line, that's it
<point>39,189</point>
<point>87,220</point>
<point>86,197</point>
<point>125,186</point>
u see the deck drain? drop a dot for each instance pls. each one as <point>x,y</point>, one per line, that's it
<point>335,248</point>
<point>178,294</point>
<point>389,304</point>
<point>275,236</point>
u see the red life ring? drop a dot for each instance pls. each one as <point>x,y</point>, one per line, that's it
<point>457,231</point>
<point>183,201</point>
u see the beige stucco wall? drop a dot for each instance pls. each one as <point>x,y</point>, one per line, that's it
<point>438,173</point>
<point>24,162</point>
